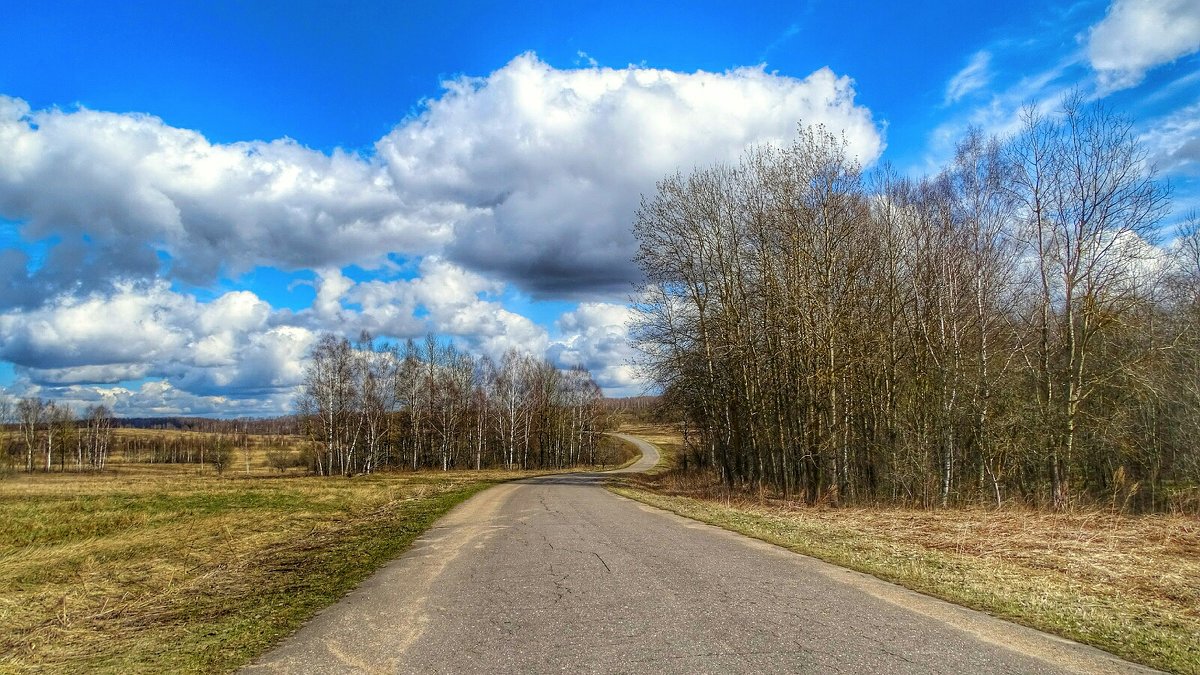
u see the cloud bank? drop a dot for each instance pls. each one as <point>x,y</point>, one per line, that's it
<point>526,179</point>
<point>532,173</point>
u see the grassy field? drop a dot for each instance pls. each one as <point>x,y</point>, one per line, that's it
<point>1127,584</point>
<point>248,455</point>
<point>170,568</point>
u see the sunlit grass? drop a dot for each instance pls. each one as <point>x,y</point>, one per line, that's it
<point>172,570</point>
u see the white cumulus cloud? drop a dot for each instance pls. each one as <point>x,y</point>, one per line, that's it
<point>225,346</point>
<point>531,173</point>
<point>1137,35</point>
<point>548,165</point>
<point>527,179</point>
<point>596,335</point>
<point>448,300</point>
<point>132,185</point>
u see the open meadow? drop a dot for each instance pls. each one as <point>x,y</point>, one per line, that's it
<point>172,567</point>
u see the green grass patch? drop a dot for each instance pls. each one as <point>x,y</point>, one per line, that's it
<point>191,573</point>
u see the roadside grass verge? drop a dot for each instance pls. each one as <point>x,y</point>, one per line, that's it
<point>192,573</point>
<point>1127,584</point>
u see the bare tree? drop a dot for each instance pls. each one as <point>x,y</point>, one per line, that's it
<point>1091,205</point>
<point>221,455</point>
<point>97,436</point>
<point>370,403</point>
<point>846,339</point>
<point>328,404</point>
<point>30,412</point>
<point>60,433</point>
<point>8,416</point>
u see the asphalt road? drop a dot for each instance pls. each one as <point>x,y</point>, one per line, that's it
<point>556,574</point>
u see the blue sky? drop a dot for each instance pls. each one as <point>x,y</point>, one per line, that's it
<point>190,192</point>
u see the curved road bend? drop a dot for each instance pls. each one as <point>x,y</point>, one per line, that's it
<point>556,574</point>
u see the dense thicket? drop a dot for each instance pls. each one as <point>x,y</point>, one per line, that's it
<point>368,404</point>
<point>1000,331</point>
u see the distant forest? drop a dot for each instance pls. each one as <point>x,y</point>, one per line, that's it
<point>282,425</point>
<point>1005,331</point>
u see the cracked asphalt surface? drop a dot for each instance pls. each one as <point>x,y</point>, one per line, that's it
<point>556,574</point>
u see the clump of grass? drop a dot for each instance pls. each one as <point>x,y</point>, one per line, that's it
<point>1127,584</point>
<point>190,573</point>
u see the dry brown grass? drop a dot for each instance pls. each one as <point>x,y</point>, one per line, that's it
<point>162,568</point>
<point>1127,584</point>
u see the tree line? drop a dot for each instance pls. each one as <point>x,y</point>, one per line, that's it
<point>368,404</point>
<point>363,406</point>
<point>49,434</point>
<point>256,426</point>
<point>1003,331</point>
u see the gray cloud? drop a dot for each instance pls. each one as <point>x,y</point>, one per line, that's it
<point>529,176</point>
<point>549,165</point>
<point>532,174</point>
<point>133,186</point>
